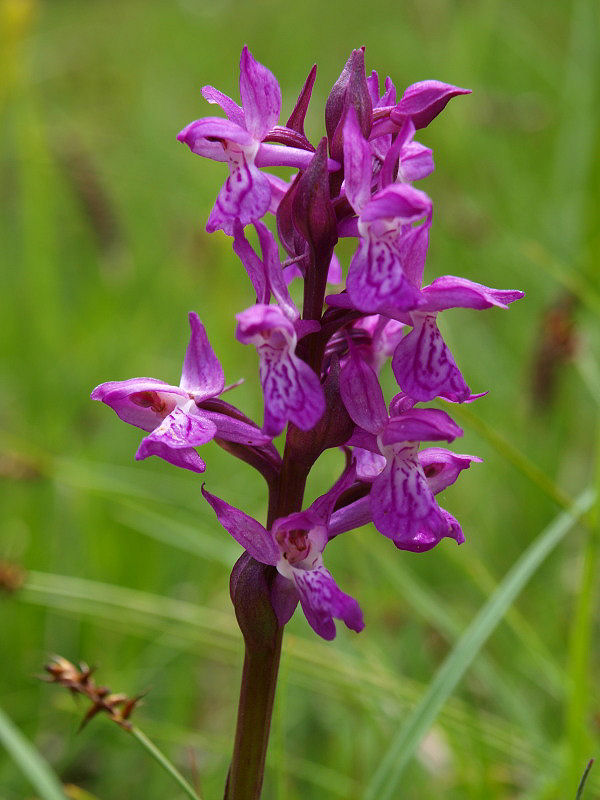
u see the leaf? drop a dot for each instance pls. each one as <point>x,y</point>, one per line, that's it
<point>385,781</point>
<point>31,763</point>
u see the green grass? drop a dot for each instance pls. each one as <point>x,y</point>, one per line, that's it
<point>104,252</point>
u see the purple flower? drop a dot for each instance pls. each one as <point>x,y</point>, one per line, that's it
<point>180,418</point>
<point>402,505</point>
<point>422,363</point>
<point>291,389</point>
<point>295,546</point>
<point>239,141</point>
<point>388,264</point>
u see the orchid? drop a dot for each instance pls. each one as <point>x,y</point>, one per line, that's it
<point>239,140</point>
<point>291,389</point>
<point>180,418</point>
<point>391,252</point>
<point>319,360</point>
<point>294,545</point>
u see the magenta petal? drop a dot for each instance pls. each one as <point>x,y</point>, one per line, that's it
<point>292,392</point>
<point>454,530</point>
<point>245,530</point>
<point>236,430</point>
<point>275,155</point>
<point>365,440</point>
<point>423,101</point>
<point>376,279</point>
<point>322,507</point>
<point>357,163</point>
<point>229,106</point>
<point>442,467</point>
<point>261,95</point>
<point>399,201</point>
<point>143,402</point>
<point>252,263</point>
<point>182,428</point>
<point>202,375</point>
<point>361,393</point>
<point>413,247</point>
<point>424,366</point>
<point>392,155</point>
<point>274,271</point>
<point>404,508</point>
<point>350,517</point>
<point>449,291</point>
<point>373,87</point>
<point>416,162</point>
<point>184,457</point>
<point>291,389</point>
<point>334,274</point>
<point>368,464</point>
<point>213,128</point>
<point>245,195</point>
<point>421,425</point>
<point>284,599</point>
<point>322,600</point>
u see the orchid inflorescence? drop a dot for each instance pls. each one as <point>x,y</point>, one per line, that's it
<point>319,366</point>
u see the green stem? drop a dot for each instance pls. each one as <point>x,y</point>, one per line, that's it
<point>164,762</point>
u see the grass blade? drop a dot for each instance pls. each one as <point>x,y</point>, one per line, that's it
<point>30,761</point>
<point>164,762</point>
<point>383,784</point>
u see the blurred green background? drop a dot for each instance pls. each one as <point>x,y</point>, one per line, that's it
<point>103,252</point>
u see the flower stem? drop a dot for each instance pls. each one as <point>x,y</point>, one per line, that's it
<point>257,694</point>
<point>250,589</point>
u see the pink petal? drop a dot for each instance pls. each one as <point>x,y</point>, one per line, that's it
<point>252,263</point>
<point>202,375</point>
<point>261,95</point>
<point>245,195</point>
<point>404,508</point>
<point>181,428</point>
<point>184,457</point>
<point>229,106</point>
<point>449,291</point>
<point>420,425</point>
<point>401,202</point>
<point>245,530</point>
<point>322,600</point>
<point>376,278</point>
<point>274,271</point>
<point>423,101</point>
<point>143,402</point>
<point>361,393</point>
<point>284,599</point>
<point>368,465</point>
<point>357,163</point>
<point>424,366</point>
<point>195,134</point>
<point>334,274</point>
<point>442,467</point>
<point>291,390</point>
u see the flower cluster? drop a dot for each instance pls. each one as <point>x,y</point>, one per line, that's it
<point>319,366</point>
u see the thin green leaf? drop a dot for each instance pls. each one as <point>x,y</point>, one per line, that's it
<point>384,783</point>
<point>164,762</point>
<point>31,763</point>
<point>513,455</point>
